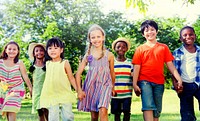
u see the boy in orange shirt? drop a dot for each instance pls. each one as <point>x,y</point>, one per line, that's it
<point>148,75</point>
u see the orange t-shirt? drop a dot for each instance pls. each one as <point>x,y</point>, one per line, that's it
<point>151,60</point>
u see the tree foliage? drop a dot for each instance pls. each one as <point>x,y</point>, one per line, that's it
<point>70,19</point>
<point>143,5</point>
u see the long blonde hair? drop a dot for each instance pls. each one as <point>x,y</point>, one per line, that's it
<point>92,28</point>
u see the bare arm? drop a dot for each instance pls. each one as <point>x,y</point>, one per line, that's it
<point>135,79</point>
<point>112,73</point>
<point>79,72</point>
<point>175,73</point>
<point>70,75</point>
<point>25,76</point>
<point>111,66</point>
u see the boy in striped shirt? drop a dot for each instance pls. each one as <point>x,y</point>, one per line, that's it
<point>123,68</point>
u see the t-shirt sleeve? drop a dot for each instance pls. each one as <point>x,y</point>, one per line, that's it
<point>168,54</point>
<point>136,60</point>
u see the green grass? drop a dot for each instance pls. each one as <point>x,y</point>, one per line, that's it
<point>170,110</point>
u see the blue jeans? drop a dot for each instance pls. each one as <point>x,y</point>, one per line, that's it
<point>151,95</point>
<point>190,90</point>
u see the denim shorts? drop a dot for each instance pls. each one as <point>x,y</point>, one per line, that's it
<point>151,95</point>
<point>120,105</point>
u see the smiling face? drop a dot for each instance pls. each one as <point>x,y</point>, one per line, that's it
<point>121,48</point>
<point>39,52</point>
<point>96,38</point>
<point>150,33</point>
<point>188,36</point>
<point>12,51</point>
<point>54,52</point>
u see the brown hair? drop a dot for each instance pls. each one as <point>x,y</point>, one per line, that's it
<point>4,54</point>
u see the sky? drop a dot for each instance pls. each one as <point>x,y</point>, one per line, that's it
<point>160,8</point>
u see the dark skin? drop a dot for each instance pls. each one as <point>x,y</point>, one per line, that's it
<point>121,48</point>
<point>188,37</point>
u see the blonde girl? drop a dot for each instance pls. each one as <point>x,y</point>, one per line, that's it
<point>96,93</point>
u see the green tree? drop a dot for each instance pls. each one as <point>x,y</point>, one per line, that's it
<point>143,5</point>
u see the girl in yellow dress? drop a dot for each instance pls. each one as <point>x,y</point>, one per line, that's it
<point>56,94</point>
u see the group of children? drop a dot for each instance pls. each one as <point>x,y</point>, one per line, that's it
<point>109,80</point>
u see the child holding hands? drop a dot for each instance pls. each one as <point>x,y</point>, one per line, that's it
<point>56,94</point>
<point>121,101</point>
<point>12,74</point>
<point>188,65</point>
<point>148,75</point>
<point>96,93</point>
<point>36,53</point>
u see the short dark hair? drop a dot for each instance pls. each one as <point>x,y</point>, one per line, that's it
<point>185,27</point>
<point>148,23</point>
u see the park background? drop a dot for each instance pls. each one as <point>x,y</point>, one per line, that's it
<point>26,21</point>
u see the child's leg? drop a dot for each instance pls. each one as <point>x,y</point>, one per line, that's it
<point>54,113</point>
<point>116,108</point>
<point>148,115</point>
<point>46,113</point>
<point>66,112</point>
<point>187,102</point>
<point>11,116</point>
<point>103,114</point>
<point>117,117</point>
<point>94,116</point>
<point>148,104</point>
<point>158,90</point>
<point>127,109</point>
<point>41,115</point>
<point>197,95</point>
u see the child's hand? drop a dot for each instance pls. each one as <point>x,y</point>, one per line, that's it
<point>81,95</point>
<point>179,87</point>
<point>137,90</point>
<point>114,93</point>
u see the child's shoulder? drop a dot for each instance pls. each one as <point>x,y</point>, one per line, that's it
<point>129,60</point>
<point>110,54</point>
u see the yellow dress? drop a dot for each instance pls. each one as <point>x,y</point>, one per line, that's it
<point>56,88</point>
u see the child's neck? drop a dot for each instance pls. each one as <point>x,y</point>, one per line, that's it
<point>190,48</point>
<point>39,62</point>
<point>151,43</point>
<point>121,58</point>
<point>9,62</point>
<point>56,59</point>
<point>96,52</point>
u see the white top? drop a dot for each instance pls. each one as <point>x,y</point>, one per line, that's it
<point>188,66</point>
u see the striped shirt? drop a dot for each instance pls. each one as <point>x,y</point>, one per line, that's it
<point>123,78</point>
<point>179,56</point>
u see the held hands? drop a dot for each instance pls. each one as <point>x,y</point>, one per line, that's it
<point>178,86</point>
<point>137,90</point>
<point>81,94</point>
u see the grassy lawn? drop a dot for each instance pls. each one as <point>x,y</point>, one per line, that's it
<point>170,110</point>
